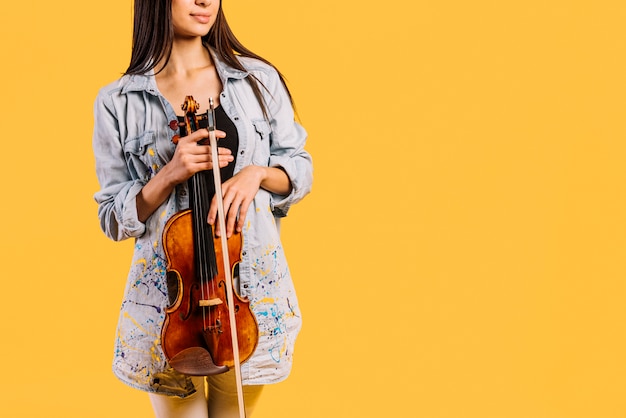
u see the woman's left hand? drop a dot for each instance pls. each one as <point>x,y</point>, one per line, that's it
<point>238,192</point>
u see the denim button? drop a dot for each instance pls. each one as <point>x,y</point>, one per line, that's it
<point>173,125</point>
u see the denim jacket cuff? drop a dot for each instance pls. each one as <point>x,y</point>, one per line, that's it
<point>280,204</point>
<point>131,225</point>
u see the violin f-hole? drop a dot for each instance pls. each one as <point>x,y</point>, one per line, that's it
<point>174,283</point>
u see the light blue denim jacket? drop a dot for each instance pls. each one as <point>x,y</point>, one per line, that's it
<point>132,141</point>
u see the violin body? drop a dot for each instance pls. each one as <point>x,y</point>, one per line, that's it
<point>187,323</point>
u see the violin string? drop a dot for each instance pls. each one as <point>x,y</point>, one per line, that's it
<point>202,250</point>
<point>199,195</point>
<point>197,234</point>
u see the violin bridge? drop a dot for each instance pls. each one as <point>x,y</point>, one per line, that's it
<point>210,302</point>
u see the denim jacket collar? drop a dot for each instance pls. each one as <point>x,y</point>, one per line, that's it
<point>147,82</point>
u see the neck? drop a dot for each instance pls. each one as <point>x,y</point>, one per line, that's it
<point>188,55</point>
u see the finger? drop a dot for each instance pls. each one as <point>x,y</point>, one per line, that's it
<point>196,136</point>
<point>225,160</point>
<point>241,218</point>
<point>242,212</point>
<point>231,204</point>
<point>217,230</point>
<point>237,211</point>
<point>222,161</point>
<point>231,217</point>
<point>220,134</point>
<point>193,154</point>
<point>212,212</point>
<point>201,134</point>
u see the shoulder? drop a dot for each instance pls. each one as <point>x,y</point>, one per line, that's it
<point>123,85</point>
<point>114,87</point>
<point>107,94</point>
<point>259,68</point>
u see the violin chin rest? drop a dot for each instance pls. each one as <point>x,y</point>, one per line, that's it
<point>196,361</point>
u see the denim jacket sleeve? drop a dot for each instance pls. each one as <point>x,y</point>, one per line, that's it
<point>117,209</point>
<point>287,142</point>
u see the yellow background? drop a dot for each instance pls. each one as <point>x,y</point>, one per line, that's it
<point>462,252</point>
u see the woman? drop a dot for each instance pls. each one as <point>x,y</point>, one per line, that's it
<point>181,48</point>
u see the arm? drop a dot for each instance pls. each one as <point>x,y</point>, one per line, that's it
<point>118,188</point>
<point>288,139</point>
<point>287,177</point>
<point>126,200</point>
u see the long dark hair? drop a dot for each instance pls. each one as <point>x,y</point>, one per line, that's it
<point>153,36</point>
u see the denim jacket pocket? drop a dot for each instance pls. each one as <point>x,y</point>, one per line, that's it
<point>139,152</point>
<point>263,133</point>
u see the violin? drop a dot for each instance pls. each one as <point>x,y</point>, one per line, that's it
<point>208,327</point>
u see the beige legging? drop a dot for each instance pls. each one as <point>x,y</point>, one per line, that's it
<point>221,402</point>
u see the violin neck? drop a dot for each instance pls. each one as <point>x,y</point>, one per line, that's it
<point>206,261</point>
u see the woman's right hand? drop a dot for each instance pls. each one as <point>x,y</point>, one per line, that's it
<point>191,157</point>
